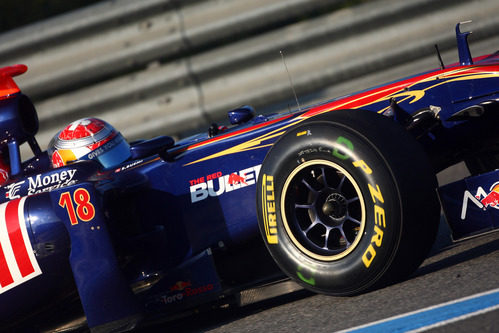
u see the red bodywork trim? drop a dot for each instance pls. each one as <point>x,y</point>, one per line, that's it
<point>16,238</point>
<point>377,94</point>
<point>367,97</point>
<point>5,276</point>
<point>235,133</point>
<point>7,85</point>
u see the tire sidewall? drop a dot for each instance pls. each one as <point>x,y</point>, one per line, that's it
<point>359,157</point>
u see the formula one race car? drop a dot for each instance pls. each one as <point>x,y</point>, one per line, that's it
<point>341,197</point>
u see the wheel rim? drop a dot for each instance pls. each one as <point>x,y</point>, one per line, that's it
<point>323,210</point>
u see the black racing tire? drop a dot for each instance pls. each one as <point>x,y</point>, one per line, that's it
<point>347,202</point>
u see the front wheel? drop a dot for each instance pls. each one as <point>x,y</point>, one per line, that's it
<point>347,203</point>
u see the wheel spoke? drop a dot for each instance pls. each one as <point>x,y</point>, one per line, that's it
<point>342,181</point>
<point>323,171</point>
<point>305,206</point>
<point>326,237</point>
<point>344,237</point>
<point>313,224</point>
<point>353,220</point>
<point>308,186</point>
<point>349,201</point>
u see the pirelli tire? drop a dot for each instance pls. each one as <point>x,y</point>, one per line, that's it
<point>347,202</point>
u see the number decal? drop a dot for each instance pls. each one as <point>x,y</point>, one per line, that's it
<point>85,211</point>
<point>65,201</point>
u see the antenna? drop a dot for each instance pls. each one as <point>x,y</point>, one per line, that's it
<point>442,66</point>
<point>290,81</point>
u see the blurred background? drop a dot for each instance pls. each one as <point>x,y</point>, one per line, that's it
<point>173,67</point>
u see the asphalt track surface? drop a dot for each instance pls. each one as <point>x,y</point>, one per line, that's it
<point>452,272</point>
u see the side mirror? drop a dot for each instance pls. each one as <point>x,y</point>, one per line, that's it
<point>18,124</point>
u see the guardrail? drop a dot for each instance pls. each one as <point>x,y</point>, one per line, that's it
<point>154,67</point>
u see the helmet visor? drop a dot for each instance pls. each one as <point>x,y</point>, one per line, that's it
<point>116,155</point>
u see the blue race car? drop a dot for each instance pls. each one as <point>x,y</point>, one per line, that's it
<point>341,197</point>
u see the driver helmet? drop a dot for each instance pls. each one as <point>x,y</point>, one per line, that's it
<point>89,139</point>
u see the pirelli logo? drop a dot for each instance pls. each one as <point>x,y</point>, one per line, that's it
<point>268,209</point>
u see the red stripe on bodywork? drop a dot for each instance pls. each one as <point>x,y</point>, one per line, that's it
<point>235,133</point>
<point>16,238</point>
<point>383,92</point>
<point>5,276</point>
